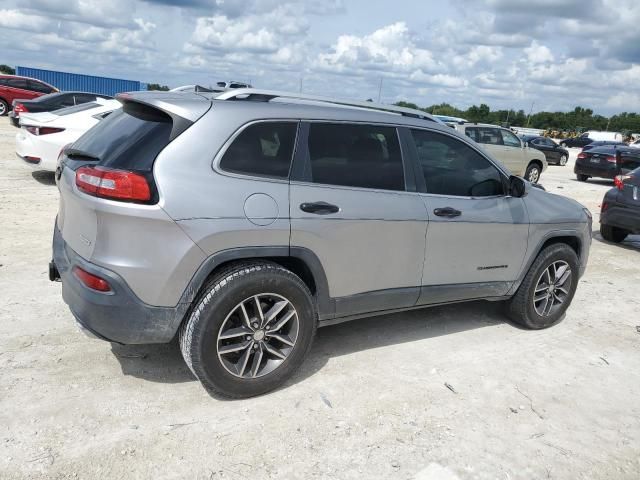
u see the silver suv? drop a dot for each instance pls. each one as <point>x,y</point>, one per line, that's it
<point>242,221</point>
<point>505,146</point>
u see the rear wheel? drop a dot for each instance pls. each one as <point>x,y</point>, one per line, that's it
<point>582,177</point>
<point>4,108</point>
<point>250,329</point>
<point>547,289</point>
<point>563,160</point>
<point>563,145</point>
<point>613,234</point>
<point>533,173</point>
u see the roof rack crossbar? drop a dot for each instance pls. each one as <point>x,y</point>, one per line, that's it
<point>253,94</point>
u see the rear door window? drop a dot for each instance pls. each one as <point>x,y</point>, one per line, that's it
<point>36,86</point>
<point>263,149</point>
<point>353,155</point>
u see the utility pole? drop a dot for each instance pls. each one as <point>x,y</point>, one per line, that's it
<point>380,90</point>
<point>608,122</point>
<point>529,116</point>
<point>507,121</point>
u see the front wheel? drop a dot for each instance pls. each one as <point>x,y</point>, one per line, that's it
<point>547,289</point>
<point>250,329</point>
<point>563,160</point>
<point>4,108</point>
<point>613,234</point>
<point>533,173</point>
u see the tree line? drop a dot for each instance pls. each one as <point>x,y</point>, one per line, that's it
<point>578,120</point>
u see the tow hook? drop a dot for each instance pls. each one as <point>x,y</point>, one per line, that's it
<point>54,275</point>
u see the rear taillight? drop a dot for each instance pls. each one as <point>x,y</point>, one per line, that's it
<point>603,207</point>
<point>91,281</point>
<point>113,184</point>
<point>42,130</point>
<point>619,181</point>
<point>611,158</point>
<point>19,108</point>
<point>582,155</point>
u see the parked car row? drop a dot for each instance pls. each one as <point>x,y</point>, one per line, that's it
<point>606,161</point>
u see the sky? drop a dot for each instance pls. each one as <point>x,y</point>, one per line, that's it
<point>526,54</point>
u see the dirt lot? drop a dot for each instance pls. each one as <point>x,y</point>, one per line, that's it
<point>371,402</point>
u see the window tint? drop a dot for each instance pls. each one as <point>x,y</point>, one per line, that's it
<point>38,87</point>
<point>365,156</point>
<point>263,149</point>
<point>509,139</point>
<point>486,135</point>
<point>4,82</point>
<point>130,138</point>
<point>451,167</point>
<point>17,83</point>
<point>84,97</point>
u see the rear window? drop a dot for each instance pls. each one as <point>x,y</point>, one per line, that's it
<point>76,108</point>
<point>130,138</point>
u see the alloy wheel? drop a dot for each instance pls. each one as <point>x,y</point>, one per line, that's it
<point>258,335</point>
<point>563,160</point>
<point>534,175</point>
<point>552,289</point>
<point>3,109</point>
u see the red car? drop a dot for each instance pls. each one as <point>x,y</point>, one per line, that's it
<point>13,87</point>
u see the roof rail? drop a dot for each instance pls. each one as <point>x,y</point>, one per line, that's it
<point>253,94</point>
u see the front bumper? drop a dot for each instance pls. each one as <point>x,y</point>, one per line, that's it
<point>117,316</point>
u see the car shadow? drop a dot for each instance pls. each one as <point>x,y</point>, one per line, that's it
<point>632,242</point>
<point>43,177</point>
<point>164,363</point>
<point>597,181</point>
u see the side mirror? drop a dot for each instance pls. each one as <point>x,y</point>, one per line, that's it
<point>518,187</point>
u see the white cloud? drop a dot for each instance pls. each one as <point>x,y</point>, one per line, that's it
<point>537,53</point>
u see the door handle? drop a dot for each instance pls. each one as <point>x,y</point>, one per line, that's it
<point>447,212</point>
<point>319,208</point>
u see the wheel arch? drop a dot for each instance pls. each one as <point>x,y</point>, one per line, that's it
<point>301,261</point>
<point>567,237</point>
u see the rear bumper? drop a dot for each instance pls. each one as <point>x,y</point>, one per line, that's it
<point>595,170</point>
<point>117,316</point>
<point>626,217</point>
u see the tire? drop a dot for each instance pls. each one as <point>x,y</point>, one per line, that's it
<point>4,108</point>
<point>216,312</point>
<point>563,145</point>
<point>533,172</point>
<point>582,177</point>
<point>613,234</point>
<point>563,160</point>
<point>522,307</point>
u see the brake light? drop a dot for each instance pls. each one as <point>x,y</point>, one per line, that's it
<point>582,155</point>
<point>113,184</point>
<point>611,158</point>
<point>619,181</point>
<point>19,108</point>
<point>91,281</point>
<point>42,130</point>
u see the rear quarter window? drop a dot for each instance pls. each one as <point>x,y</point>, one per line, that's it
<point>263,149</point>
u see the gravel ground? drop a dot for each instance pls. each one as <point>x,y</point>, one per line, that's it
<point>443,393</point>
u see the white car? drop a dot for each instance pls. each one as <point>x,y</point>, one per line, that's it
<point>43,135</point>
